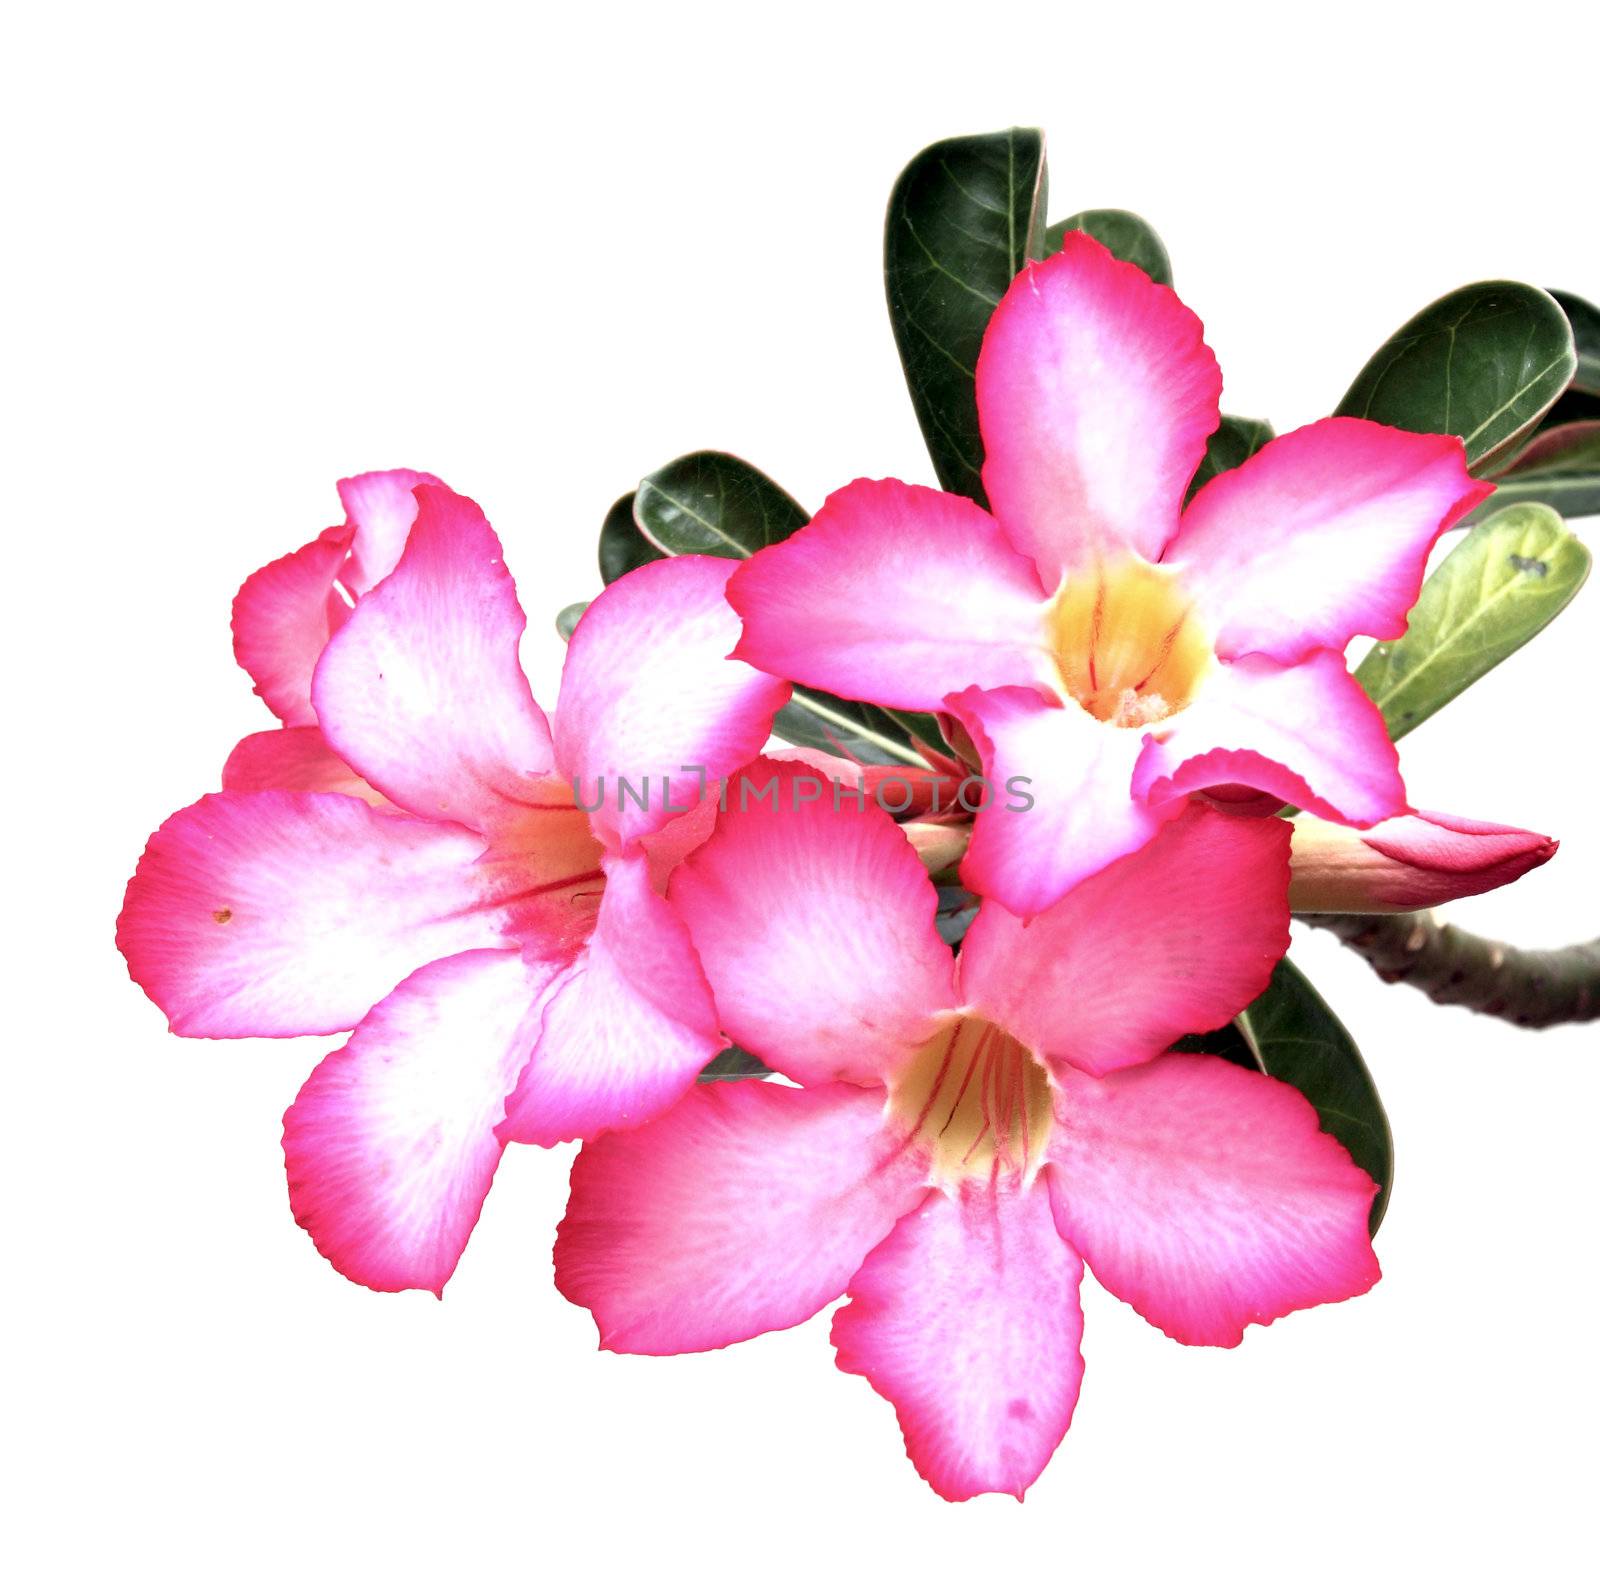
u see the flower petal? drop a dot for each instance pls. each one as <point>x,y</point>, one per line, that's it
<point>815,923</point>
<point>628,1027</point>
<point>745,1209</point>
<point>1177,937</point>
<point>1306,733</point>
<point>283,616</point>
<point>1321,535</point>
<point>1061,805</point>
<point>897,595</point>
<point>422,693</point>
<point>1206,1196</point>
<point>278,914</point>
<point>390,1145</point>
<point>1096,394</point>
<point>967,1319</point>
<point>1407,863</point>
<point>382,506</point>
<point>650,695</point>
<point>295,758</point>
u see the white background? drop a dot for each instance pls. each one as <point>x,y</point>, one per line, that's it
<point>254,249</point>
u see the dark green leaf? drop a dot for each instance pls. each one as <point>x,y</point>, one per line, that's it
<point>1559,467</point>
<point>733,1063</point>
<point>868,734</point>
<point>1294,1036</point>
<point>957,910</point>
<point>622,548</point>
<point>567,619</point>
<point>1574,406</point>
<point>1233,443</point>
<point>1122,234</point>
<point>1584,317</point>
<point>963,218</point>
<point>1503,583</point>
<point>713,503</point>
<point>1485,363</point>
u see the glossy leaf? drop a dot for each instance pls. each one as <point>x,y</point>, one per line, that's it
<point>622,547</point>
<point>717,504</point>
<point>1506,580</point>
<point>867,734</point>
<point>733,1063</point>
<point>1291,1034</point>
<point>1584,317</point>
<point>1122,234</point>
<point>1297,1038</point>
<point>1485,363</point>
<point>1233,443</point>
<point>1560,467</point>
<point>709,502</point>
<point>567,619</point>
<point>963,218</point>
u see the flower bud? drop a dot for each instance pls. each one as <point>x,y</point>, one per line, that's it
<point>1407,863</point>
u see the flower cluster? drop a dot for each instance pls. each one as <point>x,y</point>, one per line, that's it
<point>524,947</point>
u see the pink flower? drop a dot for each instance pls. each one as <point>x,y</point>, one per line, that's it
<point>1407,863</point>
<point>1093,636</point>
<point>506,958</point>
<point>949,1159</point>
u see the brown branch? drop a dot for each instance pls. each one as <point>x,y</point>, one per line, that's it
<point>1531,987</point>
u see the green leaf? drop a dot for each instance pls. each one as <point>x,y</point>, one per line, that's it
<point>963,218</point>
<point>1559,467</point>
<point>1485,363</point>
<point>567,619</point>
<point>1294,1036</point>
<point>1503,583</point>
<point>1122,234</point>
<point>733,1063</point>
<point>709,502</point>
<point>1584,317</point>
<point>1233,443</point>
<point>622,548</point>
<point>871,735</point>
<point>713,503</point>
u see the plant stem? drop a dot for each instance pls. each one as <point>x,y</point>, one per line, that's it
<point>1535,988</point>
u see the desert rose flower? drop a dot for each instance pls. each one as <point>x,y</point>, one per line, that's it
<point>505,957</point>
<point>1094,636</point>
<point>1407,863</point>
<point>950,1159</point>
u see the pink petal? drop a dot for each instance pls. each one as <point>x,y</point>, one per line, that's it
<point>816,928</point>
<point>295,758</point>
<point>966,1318</point>
<point>897,595</point>
<point>1175,938</point>
<point>628,1028</point>
<point>1306,733</point>
<point>746,1209</point>
<point>422,693</point>
<point>1078,774</point>
<point>1407,863</point>
<point>1096,395</point>
<point>1321,535</point>
<point>279,914</point>
<point>650,696</point>
<point>282,618</point>
<point>382,506</point>
<point>1206,1196</point>
<point>390,1144</point>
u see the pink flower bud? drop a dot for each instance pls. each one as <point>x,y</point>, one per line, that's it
<point>1406,863</point>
